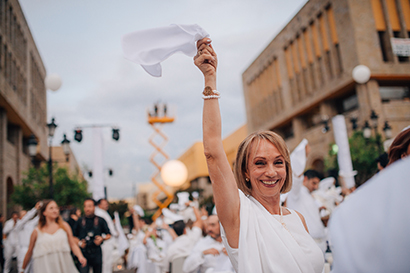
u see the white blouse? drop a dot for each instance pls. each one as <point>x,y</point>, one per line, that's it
<point>266,246</point>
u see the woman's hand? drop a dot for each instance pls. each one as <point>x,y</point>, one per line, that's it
<point>206,59</point>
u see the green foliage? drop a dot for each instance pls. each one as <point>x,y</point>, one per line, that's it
<point>363,152</point>
<point>68,190</point>
<point>121,207</point>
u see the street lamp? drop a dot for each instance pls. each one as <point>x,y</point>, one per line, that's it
<point>367,131</point>
<point>32,146</point>
<point>354,123</point>
<point>373,119</point>
<point>51,129</point>
<point>66,147</point>
<point>387,130</point>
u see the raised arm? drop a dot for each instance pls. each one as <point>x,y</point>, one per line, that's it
<point>224,186</point>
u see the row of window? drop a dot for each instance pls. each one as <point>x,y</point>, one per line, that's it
<point>345,104</point>
<point>12,31</point>
<point>313,57</point>
<point>15,78</point>
<point>265,94</point>
<point>13,62</point>
<point>392,19</point>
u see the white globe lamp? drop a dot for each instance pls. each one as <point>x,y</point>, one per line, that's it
<point>53,82</point>
<point>361,74</point>
<point>174,173</point>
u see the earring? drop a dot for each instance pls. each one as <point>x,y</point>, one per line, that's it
<point>247,179</point>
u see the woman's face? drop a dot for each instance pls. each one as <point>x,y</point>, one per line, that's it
<point>52,211</point>
<point>266,169</point>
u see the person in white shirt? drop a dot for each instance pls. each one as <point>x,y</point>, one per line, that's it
<point>209,253</point>
<point>24,228</point>
<point>300,199</point>
<point>108,246</point>
<point>11,241</point>
<point>183,244</point>
<point>156,250</point>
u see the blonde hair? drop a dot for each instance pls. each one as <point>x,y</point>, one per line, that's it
<point>243,155</point>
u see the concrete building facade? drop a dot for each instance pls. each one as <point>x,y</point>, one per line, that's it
<point>304,76</point>
<point>23,105</point>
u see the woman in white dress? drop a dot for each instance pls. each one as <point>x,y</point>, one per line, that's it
<point>51,242</point>
<point>259,235</point>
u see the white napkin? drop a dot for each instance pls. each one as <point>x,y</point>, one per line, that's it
<point>150,47</point>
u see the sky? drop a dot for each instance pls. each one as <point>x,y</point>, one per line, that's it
<point>81,41</point>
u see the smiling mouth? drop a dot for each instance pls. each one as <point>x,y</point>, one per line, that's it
<point>270,182</point>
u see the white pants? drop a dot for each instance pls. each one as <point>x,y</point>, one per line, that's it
<point>10,251</point>
<point>107,249</point>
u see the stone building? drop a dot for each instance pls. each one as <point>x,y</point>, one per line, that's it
<point>23,104</point>
<point>304,76</point>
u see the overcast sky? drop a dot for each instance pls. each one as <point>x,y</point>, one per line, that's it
<point>81,41</point>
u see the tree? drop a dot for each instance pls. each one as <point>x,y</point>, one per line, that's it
<point>363,153</point>
<point>69,190</point>
<point>121,207</point>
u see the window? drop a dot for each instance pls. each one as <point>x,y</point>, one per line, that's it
<point>346,103</point>
<point>388,93</point>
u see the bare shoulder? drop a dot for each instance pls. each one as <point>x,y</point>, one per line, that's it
<point>66,225</point>
<point>303,220</point>
<point>67,228</point>
<point>34,234</point>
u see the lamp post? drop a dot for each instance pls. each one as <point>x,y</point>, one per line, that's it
<point>387,130</point>
<point>32,147</point>
<point>66,147</point>
<point>51,129</point>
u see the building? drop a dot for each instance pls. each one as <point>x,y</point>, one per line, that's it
<point>23,106</point>
<point>66,161</point>
<point>304,76</point>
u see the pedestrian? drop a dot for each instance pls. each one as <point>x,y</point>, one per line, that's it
<point>51,242</point>
<point>258,233</point>
<point>10,241</point>
<point>75,214</point>
<point>91,231</point>
<point>209,253</point>
<point>24,229</point>
<point>300,198</point>
<point>108,247</point>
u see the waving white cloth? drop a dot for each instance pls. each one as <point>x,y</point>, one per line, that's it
<point>370,231</point>
<point>152,46</point>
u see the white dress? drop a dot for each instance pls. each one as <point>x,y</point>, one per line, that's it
<point>265,246</point>
<point>51,253</point>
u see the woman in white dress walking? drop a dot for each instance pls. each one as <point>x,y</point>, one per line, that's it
<point>51,242</point>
